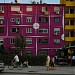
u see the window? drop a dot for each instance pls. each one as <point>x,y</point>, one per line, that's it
<point>15,8</point>
<point>29,8</point>
<point>56,41</point>
<point>43,41</point>
<point>57,10</point>
<point>43,30</point>
<point>12,19</point>
<point>1,19</point>
<point>1,8</point>
<point>43,19</point>
<point>71,22</point>
<point>44,9</point>
<point>28,30</point>
<point>28,40</point>
<point>28,19</point>
<point>72,0</point>
<point>1,41</point>
<point>42,52</point>
<point>17,19</point>
<point>12,41</point>
<point>1,30</point>
<point>72,11</point>
<point>28,52</point>
<point>56,31</point>
<point>56,19</point>
<point>15,30</point>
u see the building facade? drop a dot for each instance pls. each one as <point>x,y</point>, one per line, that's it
<point>41,24</point>
<point>69,21</point>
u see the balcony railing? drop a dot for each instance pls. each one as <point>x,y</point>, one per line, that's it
<point>70,27</point>
<point>69,15</point>
<point>70,3</point>
<point>69,38</point>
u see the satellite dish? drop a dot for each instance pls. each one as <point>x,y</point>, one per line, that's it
<point>62,36</point>
<point>36,25</point>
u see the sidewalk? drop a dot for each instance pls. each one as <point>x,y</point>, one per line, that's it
<point>42,70</point>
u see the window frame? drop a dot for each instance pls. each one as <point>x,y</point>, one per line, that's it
<point>28,30</point>
<point>56,19</point>
<point>12,41</point>
<point>16,30</point>
<point>28,19</point>
<point>28,40</point>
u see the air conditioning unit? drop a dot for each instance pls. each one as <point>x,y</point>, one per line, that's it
<point>1,22</point>
<point>19,12</point>
<point>46,13</point>
<point>55,33</point>
<point>1,11</point>
<point>17,22</point>
<point>57,12</point>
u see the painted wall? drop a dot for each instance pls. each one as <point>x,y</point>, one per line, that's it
<point>35,14</point>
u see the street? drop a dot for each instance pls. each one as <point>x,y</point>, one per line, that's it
<point>40,70</point>
<point>16,74</point>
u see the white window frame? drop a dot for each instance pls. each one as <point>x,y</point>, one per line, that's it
<point>1,41</point>
<point>12,19</point>
<point>56,41</point>
<point>15,8</point>
<point>57,10</point>
<point>29,8</point>
<point>28,30</point>
<point>56,31</point>
<point>56,19</point>
<point>12,41</point>
<point>43,30</point>
<point>28,19</point>
<point>28,40</point>
<point>16,30</point>
<point>44,9</point>
<point>17,19</point>
<point>1,8</point>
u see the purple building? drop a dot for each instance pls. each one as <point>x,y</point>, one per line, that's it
<point>41,24</point>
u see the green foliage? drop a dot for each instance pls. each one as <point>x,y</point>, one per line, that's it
<point>73,43</point>
<point>33,60</point>
<point>20,43</point>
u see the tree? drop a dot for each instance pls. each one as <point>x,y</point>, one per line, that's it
<point>73,43</point>
<point>20,43</point>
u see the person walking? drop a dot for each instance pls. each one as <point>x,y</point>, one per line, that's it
<point>47,62</point>
<point>52,62</point>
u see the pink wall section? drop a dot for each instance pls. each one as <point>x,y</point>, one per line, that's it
<point>35,35</point>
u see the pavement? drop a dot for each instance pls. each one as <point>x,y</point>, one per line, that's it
<point>70,70</point>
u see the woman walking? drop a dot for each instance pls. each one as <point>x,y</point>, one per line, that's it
<point>47,61</point>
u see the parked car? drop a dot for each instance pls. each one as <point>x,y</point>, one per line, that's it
<point>2,67</point>
<point>62,61</point>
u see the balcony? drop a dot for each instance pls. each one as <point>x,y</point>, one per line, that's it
<point>70,27</point>
<point>69,15</point>
<point>1,12</point>
<point>70,3</point>
<point>69,38</point>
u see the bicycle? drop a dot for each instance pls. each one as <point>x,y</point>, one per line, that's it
<point>13,65</point>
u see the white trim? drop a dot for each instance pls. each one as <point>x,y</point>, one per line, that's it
<point>37,36</point>
<point>26,36</point>
<point>63,20</point>
<point>36,46</point>
<point>29,47</point>
<point>49,27</point>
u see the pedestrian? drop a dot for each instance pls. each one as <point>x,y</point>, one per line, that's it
<point>47,62</point>
<point>69,59</point>
<point>25,64</point>
<point>52,62</point>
